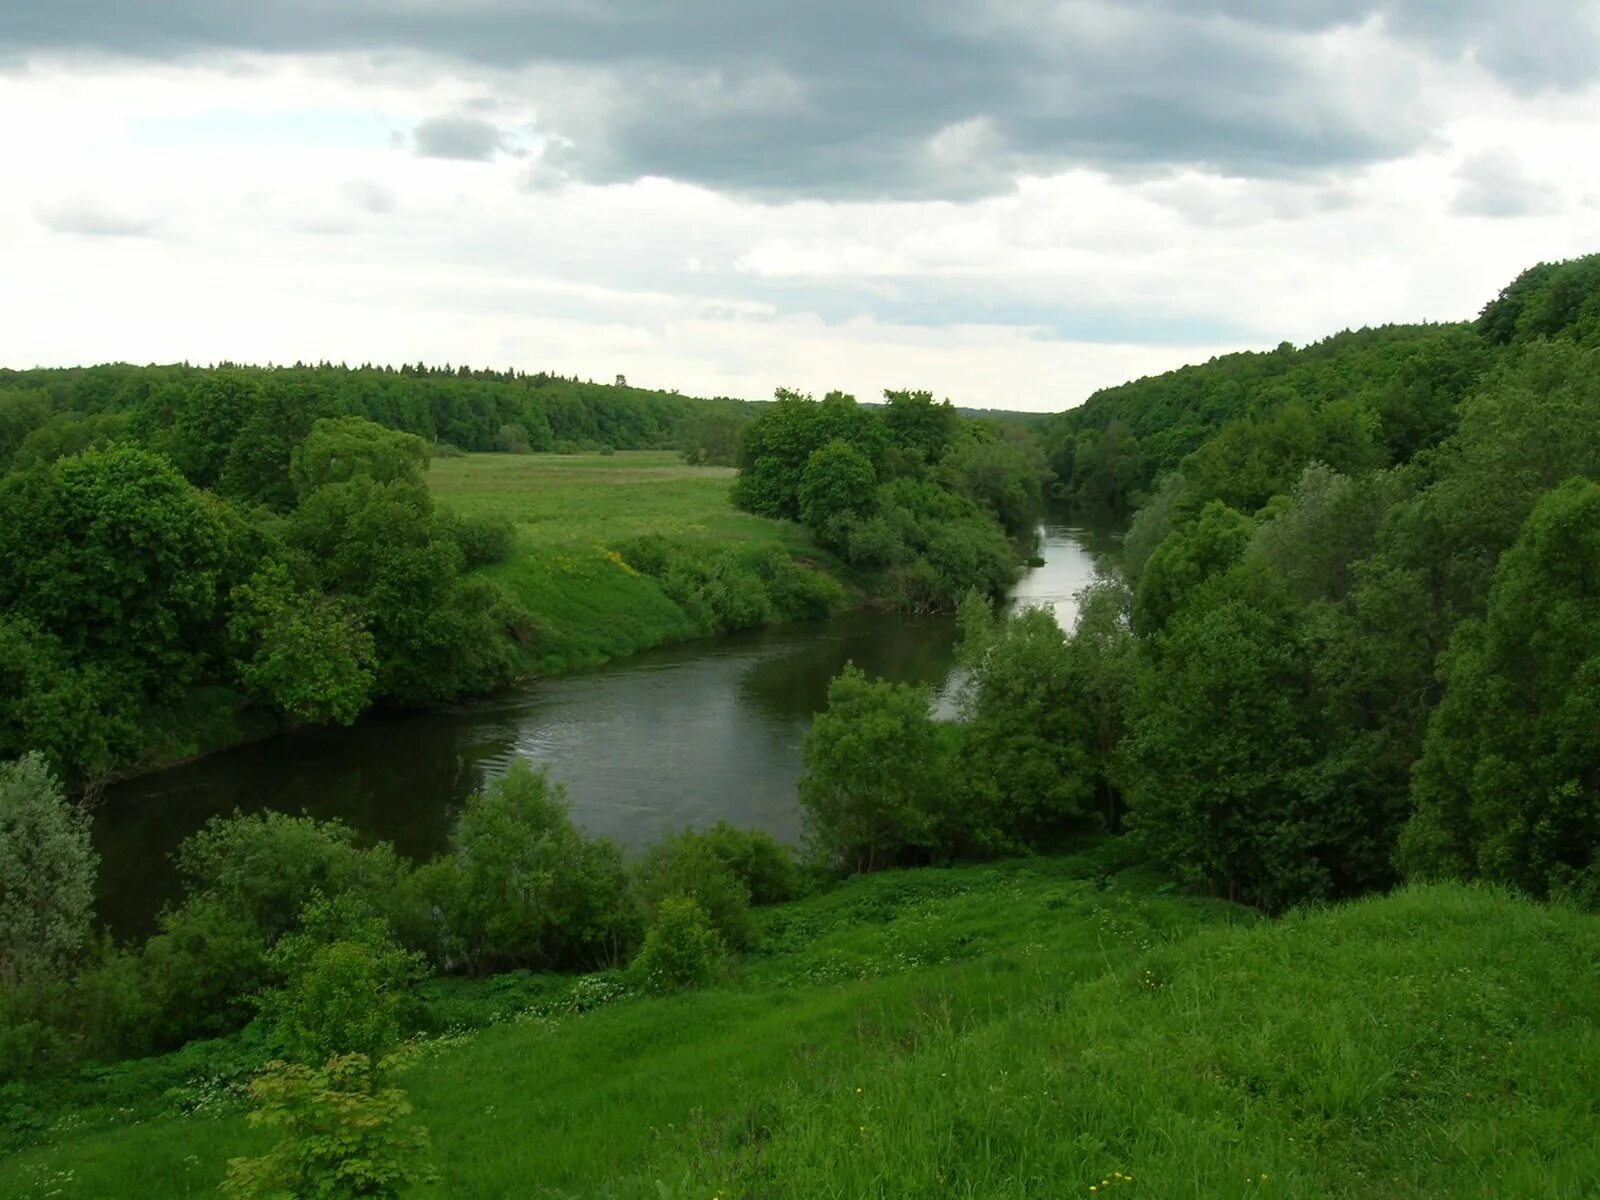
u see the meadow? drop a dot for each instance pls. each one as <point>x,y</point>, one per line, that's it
<point>572,512</point>
<point>1049,1027</point>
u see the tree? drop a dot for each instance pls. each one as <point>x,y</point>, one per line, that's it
<point>837,488</point>
<point>116,555</point>
<point>47,873</point>
<point>533,891</point>
<point>342,448</point>
<point>1186,559</point>
<point>918,426</point>
<point>1508,787</point>
<point>682,949</point>
<point>306,654</point>
<point>872,773</point>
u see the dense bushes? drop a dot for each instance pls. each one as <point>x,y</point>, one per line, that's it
<point>292,919</point>
<point>730,587</point>
<point>923,501</point>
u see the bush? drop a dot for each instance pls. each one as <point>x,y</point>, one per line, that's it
<point>681,950</point>
<point>344,1135</point>
<point>873,769</point>
<point>533,891</point>
<point>485,540</point>
<point>766,867</point>
<point>247,881</point>
<point>686,865</point>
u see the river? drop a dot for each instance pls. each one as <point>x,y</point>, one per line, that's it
<point>681,736</point>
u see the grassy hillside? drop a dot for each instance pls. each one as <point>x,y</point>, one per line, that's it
<point>1049,1028</point>
<point>572,512</point>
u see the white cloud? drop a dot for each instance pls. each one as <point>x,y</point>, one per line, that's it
<point>271,209</point>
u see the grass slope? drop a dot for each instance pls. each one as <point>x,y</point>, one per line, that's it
<point>1025,1030</point>
<point>571,512</point>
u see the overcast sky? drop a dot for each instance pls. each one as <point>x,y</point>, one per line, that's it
<point>1010,202</point>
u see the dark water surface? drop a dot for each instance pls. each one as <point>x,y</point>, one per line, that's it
<point>685,735</point>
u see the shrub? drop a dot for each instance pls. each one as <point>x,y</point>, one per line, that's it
<point>687,865</point>
<point>345,1135</point>
<point>485,540</point>
<point>534,892</point>
<point>681,950</point>
<point>766,867</point>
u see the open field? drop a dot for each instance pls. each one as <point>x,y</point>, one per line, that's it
<point>1020,1030</point>
<point>572,512</point>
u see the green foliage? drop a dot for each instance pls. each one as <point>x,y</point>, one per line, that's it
<point>119,558</point>
<point>1506,789</point>
<point>247,880</point>
<point>1185,560</point>
<point>682,949</point>
<point>725,588</point>
<point>343,1135</point>
<point>484,540</point>
<point>873,774</point>
<point>919,429</point>
<point>764,865</point>
<point>345,984</point>
<point>777,447</point>
<point>339,449</point>
<point>688,865</point>
<point>305,654</point>
<point>1004,475</point>
<point>711,439</point>
<point>533,891</point>
<point>47,872</point>
<point>837,488</point>
<point>384,549</point>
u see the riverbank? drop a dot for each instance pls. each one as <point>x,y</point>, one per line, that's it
<point>572,514</point>
<point>1012,1030</point>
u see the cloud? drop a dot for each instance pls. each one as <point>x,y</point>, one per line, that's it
<point>467,139</point>
<point>86,218</point>
<point>369,196</point>
<point>900,98</point>
<point>1495,184</point>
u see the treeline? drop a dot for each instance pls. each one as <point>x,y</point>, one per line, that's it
<point>1316,677</point>
<point>924,502</point>
<point>1241,423</point>
<point>231,428</point>
<point>292,920</point>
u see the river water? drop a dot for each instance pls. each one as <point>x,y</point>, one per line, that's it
<point>681,736</point>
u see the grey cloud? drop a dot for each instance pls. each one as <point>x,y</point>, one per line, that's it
<point>87,219</point>
<point>902,98</point>
<point>465,138</point>
<point>1494,184</point>
<point>369,196</point>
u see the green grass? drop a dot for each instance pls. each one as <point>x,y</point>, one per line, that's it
<point>1022,1030</point>
<point>572,511</point>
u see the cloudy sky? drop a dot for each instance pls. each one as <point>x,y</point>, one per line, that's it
<point>1010,202</point>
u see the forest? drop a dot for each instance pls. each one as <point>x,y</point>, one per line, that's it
<point>1343,687</point>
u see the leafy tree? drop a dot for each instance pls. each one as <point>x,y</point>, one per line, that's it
<point>919,427</point>
<point>711,438</point>
<point>113,553</point>
<point>1507,788</point>
<point>689,865</point>
<point>777,447</point>
<point>305,654</point>
<point>247,879</point>
<point>999,475</point>
<point>872,774</point>
<point>533,891</point>
<point>47,873</point>
<point>342,448</point>
<point>837,488</point>
<point>1186,559</point>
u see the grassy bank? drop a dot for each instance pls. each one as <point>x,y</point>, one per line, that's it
<point>1028,1029</point>
<point>572,512</point>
